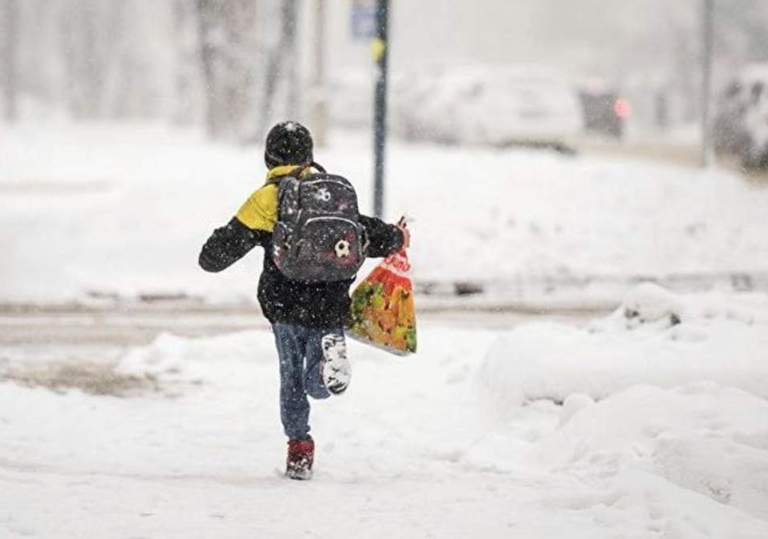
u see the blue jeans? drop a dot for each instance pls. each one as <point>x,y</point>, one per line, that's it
<point>301,357</point>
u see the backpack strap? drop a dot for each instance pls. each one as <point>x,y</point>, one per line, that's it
<point>318,166</point>
<point>297,172</point>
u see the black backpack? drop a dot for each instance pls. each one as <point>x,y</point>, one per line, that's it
<point>318,236</point>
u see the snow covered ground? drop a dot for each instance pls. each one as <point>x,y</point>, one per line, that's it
<point>652,422</point>
<point>106,210</point>
<point>663,433</point>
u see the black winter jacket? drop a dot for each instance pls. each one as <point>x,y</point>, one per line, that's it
<point>316,305</point>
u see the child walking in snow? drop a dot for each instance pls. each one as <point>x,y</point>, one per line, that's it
<point>302,297</point>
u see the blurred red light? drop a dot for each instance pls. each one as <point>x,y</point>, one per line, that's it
<point>622,108</point>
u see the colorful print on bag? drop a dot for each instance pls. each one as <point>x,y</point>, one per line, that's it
<point>383,313</point>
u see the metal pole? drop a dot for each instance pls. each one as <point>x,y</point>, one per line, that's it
<point>707,152</point>
<point>380,54</point>
<point>320,104</point>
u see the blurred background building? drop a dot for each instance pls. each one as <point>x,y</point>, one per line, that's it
<point>234,65</point>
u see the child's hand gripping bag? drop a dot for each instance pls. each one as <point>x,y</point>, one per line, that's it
<point>382,311</point>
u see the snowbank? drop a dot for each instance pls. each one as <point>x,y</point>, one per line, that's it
<point>409,450</point>
<point>648,421</point>
<point>654,338</point>
<point>669,445</point>
<point>674,459</point>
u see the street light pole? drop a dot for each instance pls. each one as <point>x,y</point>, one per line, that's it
<point>380,55</point>
<point>708,18</point>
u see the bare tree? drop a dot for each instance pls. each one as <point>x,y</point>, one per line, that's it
<point>282,64</point>
<point>9,59</point>
<point>206,15</point>
<point>290,21</point>
<point>87,47</point>
<point>189,105</point>
<point>228,54</point>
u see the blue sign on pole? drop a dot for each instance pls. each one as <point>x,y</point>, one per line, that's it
<point>363,21</point>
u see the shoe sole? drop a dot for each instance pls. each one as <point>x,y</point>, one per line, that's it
<point>299,476</point>
<point>336,368</point>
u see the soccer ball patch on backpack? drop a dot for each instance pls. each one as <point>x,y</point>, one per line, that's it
<point>318,236</point>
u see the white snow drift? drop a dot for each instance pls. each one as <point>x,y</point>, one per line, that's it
<point>652,439</point>
<point>653,338</point>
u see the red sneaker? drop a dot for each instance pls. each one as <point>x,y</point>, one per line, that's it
<point>301,454</point>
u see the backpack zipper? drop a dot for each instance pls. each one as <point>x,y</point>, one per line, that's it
<point>350,221</point>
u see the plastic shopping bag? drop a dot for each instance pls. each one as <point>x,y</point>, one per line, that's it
<point>382,308</point>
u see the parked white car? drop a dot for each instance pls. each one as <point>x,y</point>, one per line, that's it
<point>487,105</point>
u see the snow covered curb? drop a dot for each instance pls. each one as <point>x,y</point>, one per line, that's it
<point>654,338</point>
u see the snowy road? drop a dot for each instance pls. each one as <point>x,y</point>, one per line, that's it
<point>71,325</point>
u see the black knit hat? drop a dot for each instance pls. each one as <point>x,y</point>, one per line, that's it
<point>288,143</point>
